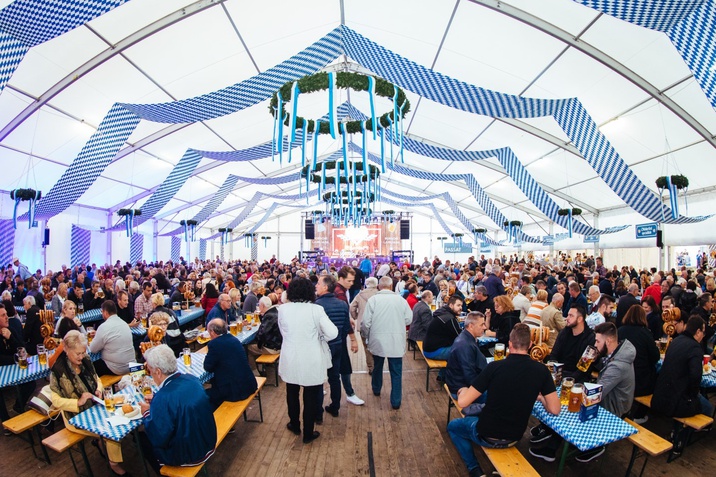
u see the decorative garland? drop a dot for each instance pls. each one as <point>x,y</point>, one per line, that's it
<point>319,172</point>
<point>569,213</point>
<point>476,232</point>
<point>129,215</point>
<point>345,80</point>
<point>265,238</point>
<point>514,231</point>
<point>225,233</point>
<point>31,195</point>
<point>189,229</point>
<point>347,198</point>
<point>673,184</point>
<point>248,238</point>
<point>457,237</point>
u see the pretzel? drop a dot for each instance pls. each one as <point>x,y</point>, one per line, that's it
<point>539,352</point>
<point>47,330</point>
<point>50,343</point>
<point>669,329</point>
<point>145,345</point>
<point>155,333</point>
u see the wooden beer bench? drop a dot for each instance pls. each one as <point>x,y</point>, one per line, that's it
<point>109,380</point>
<point>64,440</point>
<point>508,462</point>
<point>432,365</point>
<point>226,417</point>
<point>648,443</point>
<point>692,423</point>
<point>26,422</point>
<point>269,360</point>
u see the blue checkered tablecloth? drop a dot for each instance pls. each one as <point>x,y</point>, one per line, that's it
<point>187,316</point>
<point>12,375</point>
<point>138,330</point>
<point>197,367</point>
<point>483,340</point>
<point>91,315</point>
<point>94,420</point>
<point>247,336</point>
<point>603,429</point>
<point>707,380</point>
<point>20,309</point>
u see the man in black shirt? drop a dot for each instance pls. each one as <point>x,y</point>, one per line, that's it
<point>481,302</point>
<point>571,343</point>
<point>442,330</point>
<point>512,385</point>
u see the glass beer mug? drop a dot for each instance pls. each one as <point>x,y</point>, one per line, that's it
<point>21,358</point>
<point>186,355</point>
<point>588,357</point>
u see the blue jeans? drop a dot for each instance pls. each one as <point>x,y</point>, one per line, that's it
<point>440,354</point>
<point>395,365</point>
<point>463,432</point>
<point>706,406</point>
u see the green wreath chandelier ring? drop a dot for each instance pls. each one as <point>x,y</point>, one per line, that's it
<point>344,80</point>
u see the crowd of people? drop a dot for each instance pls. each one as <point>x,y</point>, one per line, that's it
<point>313,314</point>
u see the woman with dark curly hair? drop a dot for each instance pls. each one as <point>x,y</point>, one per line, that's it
<point>303,325</point>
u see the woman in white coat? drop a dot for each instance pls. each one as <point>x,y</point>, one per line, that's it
<point>303,325</point>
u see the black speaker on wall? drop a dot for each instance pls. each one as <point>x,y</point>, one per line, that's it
<point>659,239</point>
<point>47,237</point>
<point>310,230</point>
<point>404,230</point>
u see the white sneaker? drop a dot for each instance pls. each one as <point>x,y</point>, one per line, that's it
<point>355,400</point>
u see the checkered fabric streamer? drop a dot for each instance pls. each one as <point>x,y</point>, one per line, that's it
<point>246,93</point>
<point>712,261</point>
<point>12,52</point>
<point>212,205</point>
<point>91,315</point>
<point>600,154</point>
<point>480,195</point>
<point>202,249</point>
<point>509,161</point>
<point>26,23</point>
<point>451,203</point>
<point>258,224</point>
<point>176,249</point>
<point>436,214</point>
<point>167,189</point>
<point>12,375</point>
<point>689,24</point>
<point>80,241</point>
<point>136,248</point>
<point>250,205</point>
<point>254,248</point>
<point>89,164</point>
<point>693,37</point>
<point>659,15</point>
<point>603,429</point>
<point>7,241</point>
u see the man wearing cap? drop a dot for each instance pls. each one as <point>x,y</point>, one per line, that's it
<point>22,270</point>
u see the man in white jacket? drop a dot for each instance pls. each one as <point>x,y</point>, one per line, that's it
<point>384,321</point>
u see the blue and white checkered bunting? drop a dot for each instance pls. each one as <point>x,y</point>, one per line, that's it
<point>7,241</point>
<point>80,241</point>
<point>176,249</point>
<point>202,249</point>
<point>136,248</point>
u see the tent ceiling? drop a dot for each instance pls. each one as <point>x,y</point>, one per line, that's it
<point>149,51</point>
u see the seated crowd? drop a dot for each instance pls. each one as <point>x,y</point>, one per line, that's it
<point>312,314</point>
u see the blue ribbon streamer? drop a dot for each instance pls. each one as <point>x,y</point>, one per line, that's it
<point>303,143</point>
<point>363,154</point>
<point>129,222</point>
<point>673,198</point>
<point>294,108</point>
<point>382,150</point>
<point>14,212</point>
<point>186,232</point>
<point>569,222</point>
<point>332,116</point>
<point>371,96</point>
<point>279,139</point>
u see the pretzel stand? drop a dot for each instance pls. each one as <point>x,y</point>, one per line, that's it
<point>538,336</point>
<point>155,335</point>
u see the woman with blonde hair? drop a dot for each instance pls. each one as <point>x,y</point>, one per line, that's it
<point>174,337</point>
<point>74,381</point>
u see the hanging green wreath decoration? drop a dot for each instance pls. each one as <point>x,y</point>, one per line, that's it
<point>360,177</point>
<point>479,231</point>
<point>565,212</point>
<point>345,80</point>
<point>332,197</point>
<point>679,181</point>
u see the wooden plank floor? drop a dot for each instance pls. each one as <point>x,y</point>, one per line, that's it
<point>409,442</point>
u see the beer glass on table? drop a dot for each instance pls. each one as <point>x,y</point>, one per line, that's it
<point>144,320</point>
<point>233,328</point>
<point>42,355</point>
<point>90,334</point>
<point>186,354</point>
<point>564,393</point>
<point>108,399</point>
<point>499,351</point>
<point>21,358</point>
<point>575,397</point>
<point>588,357</point>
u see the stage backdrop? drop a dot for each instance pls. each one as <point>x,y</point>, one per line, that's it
<point>374,239</point>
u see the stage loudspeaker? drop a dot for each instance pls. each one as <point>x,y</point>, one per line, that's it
<point>404,230</point>
<point>659,239</point>
<point>310,230</point>
<point>47,237</point>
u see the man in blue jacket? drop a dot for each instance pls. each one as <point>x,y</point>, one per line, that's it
<point>466,361</point>
<point>575,298</point>
<point>338,312</point>
<point>179,426</point>
<point>233,380</point>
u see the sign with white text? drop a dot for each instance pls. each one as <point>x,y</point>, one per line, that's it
<point>646,230</point>
<point>457,247</point>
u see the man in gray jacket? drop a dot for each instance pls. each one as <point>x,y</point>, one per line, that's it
<point>357,309</point>
<point>384,321</point>
<point>616,375</point>
<point>422,316</point>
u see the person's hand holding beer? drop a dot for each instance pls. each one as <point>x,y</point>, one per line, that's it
<point>144,405</point>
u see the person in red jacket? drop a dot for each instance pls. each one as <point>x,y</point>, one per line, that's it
<point>654,290</point>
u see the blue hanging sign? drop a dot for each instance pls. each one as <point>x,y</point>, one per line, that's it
<point>548,240</point>
<point>591,239</point>
<point>486,249</point>
<point>646,230</point>
<point>457,247</point>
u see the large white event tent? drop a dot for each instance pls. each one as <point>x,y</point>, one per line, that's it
<point>539,104</point>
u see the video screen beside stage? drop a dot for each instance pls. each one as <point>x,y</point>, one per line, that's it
<point>373,239</point>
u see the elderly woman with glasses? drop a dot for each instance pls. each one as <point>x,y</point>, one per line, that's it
<point>73,382</point>
<point>164,321</point>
